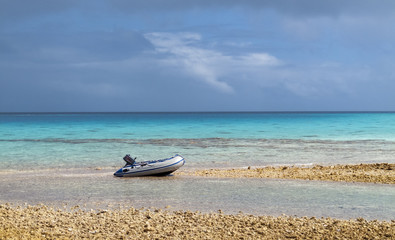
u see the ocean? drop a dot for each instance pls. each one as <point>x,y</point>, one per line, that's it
<point>70,158</point>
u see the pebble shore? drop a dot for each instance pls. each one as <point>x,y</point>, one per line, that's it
<point>370,173</point>
<point>42,222</point>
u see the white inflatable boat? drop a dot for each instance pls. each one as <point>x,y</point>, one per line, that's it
<point>150,168</point>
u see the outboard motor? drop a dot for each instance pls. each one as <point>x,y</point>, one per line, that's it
<point>129,160</point>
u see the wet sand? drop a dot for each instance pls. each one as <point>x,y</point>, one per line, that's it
<point>370,173</point>
<point>42,222</point>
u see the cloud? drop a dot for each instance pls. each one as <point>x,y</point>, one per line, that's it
<point>325,80</point>
<point>75,47</point>
<point>180,51</point>
<point>24,9</point>
<point>298,53</point>
<point>74,66</point>
<point>298,9</point>
<point>259,59</point>
<point>231,73</point>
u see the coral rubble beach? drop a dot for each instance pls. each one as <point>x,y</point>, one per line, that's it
<point>45,222</point>
<point>42,222</point>
<point>370,173</point>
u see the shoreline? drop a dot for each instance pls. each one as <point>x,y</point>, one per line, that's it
<point>42,222</point>
<point>382,173</point>
<point>45,221</point>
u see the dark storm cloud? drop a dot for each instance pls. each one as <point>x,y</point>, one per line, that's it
<point>72,47</point>
<point>67,71</point>
<point>292,7</point>
<point>175,55</point>
<point>20,9</point>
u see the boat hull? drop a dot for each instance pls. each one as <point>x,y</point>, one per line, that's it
<point>152,168</point>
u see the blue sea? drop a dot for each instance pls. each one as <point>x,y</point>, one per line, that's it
<point>55,157</point>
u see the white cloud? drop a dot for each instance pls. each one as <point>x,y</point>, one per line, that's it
<point>211,66</point>
<point>260,59</point>
<point>322,80</point>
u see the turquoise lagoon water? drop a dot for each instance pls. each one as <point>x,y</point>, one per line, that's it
<point>53,157</point>
<point>205,139</point>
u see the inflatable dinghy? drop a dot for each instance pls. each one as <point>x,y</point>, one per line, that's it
<point>150,168</point>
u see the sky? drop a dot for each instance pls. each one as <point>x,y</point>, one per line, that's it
<point>197,55</point>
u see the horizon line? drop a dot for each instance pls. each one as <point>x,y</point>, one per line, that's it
<point>172,112</point>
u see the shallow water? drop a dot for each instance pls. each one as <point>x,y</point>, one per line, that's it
<point>99,189</point>
<point>50,158</point>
